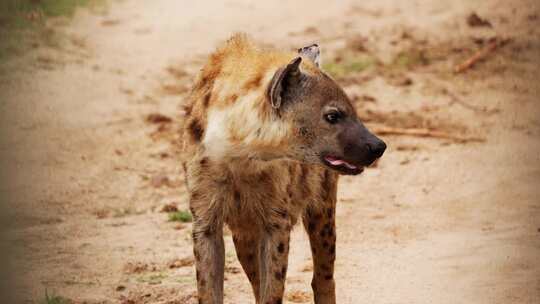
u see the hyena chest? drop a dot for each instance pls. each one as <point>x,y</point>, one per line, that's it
<point>272,194</point>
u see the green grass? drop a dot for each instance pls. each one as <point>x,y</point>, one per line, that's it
<point>180,216</point>
<point>349,65</point>
<point>27,14</point>
<point>54,299</point>
<point>156,278</point>
<point>23,23</point>
<point>410,58</point>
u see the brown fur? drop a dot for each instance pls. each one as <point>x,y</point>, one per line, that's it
<point>247,167</point>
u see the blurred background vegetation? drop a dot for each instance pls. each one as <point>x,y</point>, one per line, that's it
<point>23,23</point>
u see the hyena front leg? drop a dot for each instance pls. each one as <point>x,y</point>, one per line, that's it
<point>209,251</point>
<point>273,260</point>
<point>247,250</point>
<point>208,245</point>
<point>320,224</point>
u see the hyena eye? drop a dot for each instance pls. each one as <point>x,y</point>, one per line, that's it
<point>332,117</point>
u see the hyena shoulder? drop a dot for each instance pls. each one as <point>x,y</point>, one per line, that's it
<point>226,110</point>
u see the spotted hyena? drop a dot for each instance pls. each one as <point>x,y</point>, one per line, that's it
<point>266,135</point>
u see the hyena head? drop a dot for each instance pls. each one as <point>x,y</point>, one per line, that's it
<point>327,128</point>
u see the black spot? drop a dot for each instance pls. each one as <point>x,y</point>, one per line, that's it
<point>250,257</point>
<point>290,191</point>
<point>328,277</point>
<point>281,212</point>
<point>206,100</point>
<point>264,176</point>
<point>278,276</point>
<point>311,226</point>
<point>304,132</point>
<point>281,247</point>
<point>251,276</point>
<point>325,244</point>
<point>306,190</point>
<point>279,301</point>
<point>327,226</point>
<point>194,196</point>
<point>332,249</point>
<point>236,195</point>
<point>196,130</point>
<point>204,161</point>
<point>188,109</point>
<point>330,212</point>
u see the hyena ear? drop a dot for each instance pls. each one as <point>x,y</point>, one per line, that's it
<point>284,79</point>
<point>312,52</point>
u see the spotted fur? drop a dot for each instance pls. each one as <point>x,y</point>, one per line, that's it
<point>250,166</point>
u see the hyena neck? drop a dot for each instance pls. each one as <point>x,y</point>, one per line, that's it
<point>241,122</point>
<point>247,129</point>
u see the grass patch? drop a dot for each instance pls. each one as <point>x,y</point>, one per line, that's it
<point>54,299</point>
<point>180,216</point>
<point>27,13</point>
<point>410,58</point>
<point>152,278</point>
<point>349,65</point>
<point>23,23</point>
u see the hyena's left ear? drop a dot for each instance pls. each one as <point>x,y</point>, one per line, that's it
<point>284,81</point>
<point>312,52</point>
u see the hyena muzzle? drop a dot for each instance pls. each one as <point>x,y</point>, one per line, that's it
<point>266,135</point>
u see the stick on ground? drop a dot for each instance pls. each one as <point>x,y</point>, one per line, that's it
<point>420,132</point>
<point>480,55</point>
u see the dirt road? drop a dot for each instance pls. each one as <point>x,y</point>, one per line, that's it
<point>85,175</point>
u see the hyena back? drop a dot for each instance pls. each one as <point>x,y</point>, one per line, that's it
<point>266,135</point>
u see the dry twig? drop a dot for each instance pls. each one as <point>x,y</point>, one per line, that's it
<point>420,132</point>
<point>480,55</point>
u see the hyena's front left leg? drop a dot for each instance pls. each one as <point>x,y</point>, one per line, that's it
<point>273,260</point>
<point>320,224</point>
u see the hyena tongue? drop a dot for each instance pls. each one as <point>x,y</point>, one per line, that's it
<point>339,162</point>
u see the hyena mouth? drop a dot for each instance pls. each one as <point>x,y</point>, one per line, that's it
<point>341,165</point>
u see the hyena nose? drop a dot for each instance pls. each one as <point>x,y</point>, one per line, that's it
<point>376,147</point>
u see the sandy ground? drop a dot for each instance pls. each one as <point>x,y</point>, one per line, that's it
<point>85,175</point>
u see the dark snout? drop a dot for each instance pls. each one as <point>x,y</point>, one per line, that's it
<point>375,146</point>
<point>361,147</point>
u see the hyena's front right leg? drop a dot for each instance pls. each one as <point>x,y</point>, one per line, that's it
<point>208,246</point>
<point>209,252</point>
<point>263,253</point>
<point>247,250</point>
